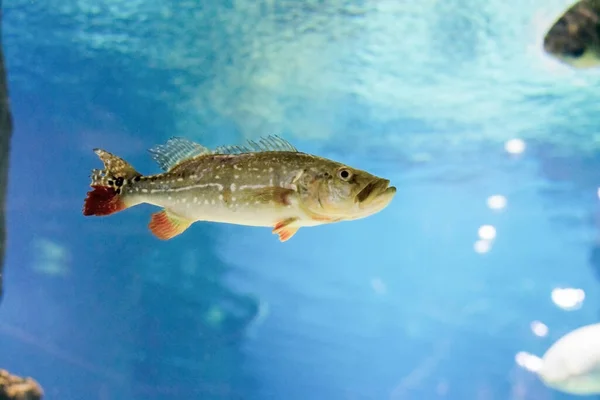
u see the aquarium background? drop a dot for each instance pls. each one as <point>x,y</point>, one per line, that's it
<point>487,255</point>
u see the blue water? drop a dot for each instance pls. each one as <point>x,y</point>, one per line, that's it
<point>396,306</point>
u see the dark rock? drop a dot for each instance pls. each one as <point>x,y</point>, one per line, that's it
<point>11,387</point>
<point>5,134</point>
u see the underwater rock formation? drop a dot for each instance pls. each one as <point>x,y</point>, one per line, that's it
<point>11,387</point>
<point>16,388</point>
<point>571,363</point>
<point>5,134</point>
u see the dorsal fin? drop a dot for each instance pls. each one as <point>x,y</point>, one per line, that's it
<point>264,144</point>
<point>175,151</point>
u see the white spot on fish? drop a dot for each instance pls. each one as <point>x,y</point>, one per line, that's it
<point>200,186</point>
<point>236,167</point>
<point>179,179</point>
<point>270,169</point>
<point>195,199</point>
<point>220,197</point>
<point>144,190</point>
<point>205,201</point>
<point>217,177</point>
<point>233,199</point>
<point>184,200</point>
<point>193,176</point>
<point>252,187</point>
<point>169,198</point>
<point>232,187</point>
<point>236,176</point>
<point>186,188</point>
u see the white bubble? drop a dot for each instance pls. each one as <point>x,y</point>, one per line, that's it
<point>568,298</point>
<point>515,146</point>
<point>528,361</point>
<point>482,246</point>
<point>539,329</point>
<point>487,232</point>
<point>496,202</point>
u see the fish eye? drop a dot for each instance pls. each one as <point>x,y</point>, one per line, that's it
<point>344,174</point>
<point>577,52</point>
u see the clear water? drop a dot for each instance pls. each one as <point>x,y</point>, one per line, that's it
<point>408,304</point>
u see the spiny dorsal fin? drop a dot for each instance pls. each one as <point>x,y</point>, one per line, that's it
<point>264,144</point>
<point>175,151</point>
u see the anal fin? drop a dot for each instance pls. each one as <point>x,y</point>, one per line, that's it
<point>285,230</point>
<point>166,225</point>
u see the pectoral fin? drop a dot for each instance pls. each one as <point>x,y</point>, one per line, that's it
<point>166,225</point>
<point>277,194</point>
<point>285,230</point>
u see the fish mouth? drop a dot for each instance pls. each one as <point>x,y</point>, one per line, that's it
<point>375,189</point>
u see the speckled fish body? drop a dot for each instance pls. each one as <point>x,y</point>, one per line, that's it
<point>252,189</point>
<point>268,184</point>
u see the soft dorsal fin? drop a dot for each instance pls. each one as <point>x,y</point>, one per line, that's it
<point>175,151</point>
<point>264,144</point>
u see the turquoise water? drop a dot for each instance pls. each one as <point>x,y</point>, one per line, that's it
<point>486,256</point>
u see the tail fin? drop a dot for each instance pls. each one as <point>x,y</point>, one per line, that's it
<point>107,184</point>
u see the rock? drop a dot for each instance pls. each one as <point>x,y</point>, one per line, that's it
<point>16,388</point>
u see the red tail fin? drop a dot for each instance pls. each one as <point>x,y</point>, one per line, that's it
<point>107,195</point>
<point>102,200</point>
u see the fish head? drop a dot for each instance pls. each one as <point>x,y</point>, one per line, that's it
<point>574,38</point>
<point>574,52</point>
<point>337,192</point>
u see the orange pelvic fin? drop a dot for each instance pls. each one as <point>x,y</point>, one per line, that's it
<point>166,225</point>
<point>285,230</point>
<point>102,200</point>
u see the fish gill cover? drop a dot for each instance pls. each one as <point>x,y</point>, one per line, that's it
<point>473,71</point>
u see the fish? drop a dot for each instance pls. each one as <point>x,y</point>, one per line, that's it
<point>574,38</point>
<point>263,183</point>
